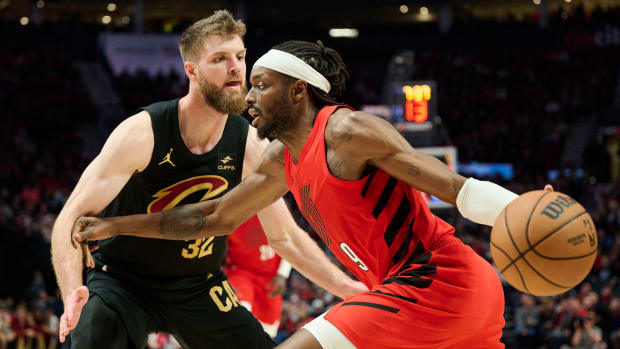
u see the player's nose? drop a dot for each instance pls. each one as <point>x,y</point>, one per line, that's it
<point>235,67</point>
<point>249,98</point>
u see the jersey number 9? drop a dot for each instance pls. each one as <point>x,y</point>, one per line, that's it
<point>349,252</point>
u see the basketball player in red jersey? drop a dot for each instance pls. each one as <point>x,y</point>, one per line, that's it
<point>257,273</point>
<point>358,183</point>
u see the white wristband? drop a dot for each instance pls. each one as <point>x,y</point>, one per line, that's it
<point>284,269</point>
<point>482,201</point>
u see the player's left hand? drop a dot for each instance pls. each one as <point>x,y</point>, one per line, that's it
<point>277,286</point>
<point>73,308</point>
<point>88,229</point>
<point>78,225</point>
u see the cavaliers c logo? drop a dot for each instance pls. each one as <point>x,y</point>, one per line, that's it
<point>169,197</point>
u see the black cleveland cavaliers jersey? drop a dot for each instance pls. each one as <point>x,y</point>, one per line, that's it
<point>174,177</point>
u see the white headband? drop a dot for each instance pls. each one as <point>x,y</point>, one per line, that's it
<point>291,65</point>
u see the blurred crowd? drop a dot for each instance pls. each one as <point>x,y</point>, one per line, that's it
<point>160,87</point>
<point>484,96</point>
<point>44,104</point>
<point>499,94</point>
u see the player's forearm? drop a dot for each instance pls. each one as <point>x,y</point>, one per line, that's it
<point>182,223</point>
<point>307,258</point>
<point>66,259</point>
<point>482,201</point>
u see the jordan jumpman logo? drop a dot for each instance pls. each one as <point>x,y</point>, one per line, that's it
<point>167,159</point>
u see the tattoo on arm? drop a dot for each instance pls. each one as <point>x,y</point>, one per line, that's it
<point>335,165</point>
<point>413,170</point>
<point>342,136</point>
<point>182,223</point>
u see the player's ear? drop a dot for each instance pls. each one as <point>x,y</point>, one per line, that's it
<point>190,70</point>
<point>300,89</point>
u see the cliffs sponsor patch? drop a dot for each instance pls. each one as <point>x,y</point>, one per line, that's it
<point>226,162</point>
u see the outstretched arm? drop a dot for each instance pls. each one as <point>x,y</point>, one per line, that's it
<point>373,141</point>
<point>194,221</point>
<point>254,195</point>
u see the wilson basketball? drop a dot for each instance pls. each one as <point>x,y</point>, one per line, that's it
<point>544,243</point>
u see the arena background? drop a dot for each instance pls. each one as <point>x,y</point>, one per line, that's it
<point>521,92</point>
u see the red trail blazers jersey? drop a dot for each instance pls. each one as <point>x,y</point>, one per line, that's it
<point>373,225</point>
<point>249,249</point>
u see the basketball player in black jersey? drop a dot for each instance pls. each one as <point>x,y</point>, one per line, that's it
<point>182,151</point>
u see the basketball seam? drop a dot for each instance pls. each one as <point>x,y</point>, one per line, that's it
<point>533,248</point>
<point>524,259</point>
<point>511,239</point>
<point>542,276</point>
<point>516,247</point>
<point>529,220</point>
<point>566,258</point>
<point>516,267</point>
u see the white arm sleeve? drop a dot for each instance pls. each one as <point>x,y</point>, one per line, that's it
<point>482,201</point>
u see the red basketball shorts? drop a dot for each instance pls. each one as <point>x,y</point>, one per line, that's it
<point>253,290</point>
<point>450,297</point>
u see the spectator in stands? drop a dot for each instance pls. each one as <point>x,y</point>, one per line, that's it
<point>6,333</point>
<point>586,334</point>
<point>526,322</point>
<point>24,327</point>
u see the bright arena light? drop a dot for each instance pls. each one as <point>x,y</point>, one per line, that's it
<point>106,19</point>
<point>536,2</point>
<point>343,33</point>
<point>40,4</point>
<point>125,20</point>
<point>404,8</point>
<point>568,1</point>
<point>24,20</point>
<point>111,7</point>
<point>424,10</point>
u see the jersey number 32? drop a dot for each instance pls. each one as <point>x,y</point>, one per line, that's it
<point>199,248</point>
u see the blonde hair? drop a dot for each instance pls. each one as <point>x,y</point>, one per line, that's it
<point>221,22</point>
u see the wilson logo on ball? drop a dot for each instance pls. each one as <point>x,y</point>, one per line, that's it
<point>556,207</point>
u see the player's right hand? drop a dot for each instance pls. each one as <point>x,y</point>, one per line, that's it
<point>354,288</point>
<point>73,308</point>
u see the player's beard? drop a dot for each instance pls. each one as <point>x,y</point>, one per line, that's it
<point>280,119</point>
<point>225,102</point>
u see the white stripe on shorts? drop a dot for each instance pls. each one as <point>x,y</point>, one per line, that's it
<point>328,335</point>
